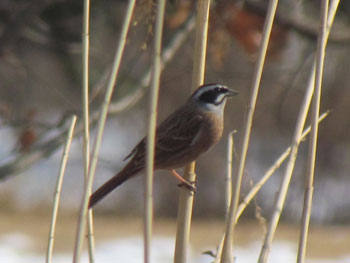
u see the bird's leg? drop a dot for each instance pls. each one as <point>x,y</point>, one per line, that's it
<point>189,185</point>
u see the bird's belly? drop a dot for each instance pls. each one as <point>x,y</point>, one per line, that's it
<point>181,161</point>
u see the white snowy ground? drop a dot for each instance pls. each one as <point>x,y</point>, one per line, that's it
<point>16,248</point>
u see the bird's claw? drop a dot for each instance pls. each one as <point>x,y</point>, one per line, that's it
<point>189,185</point>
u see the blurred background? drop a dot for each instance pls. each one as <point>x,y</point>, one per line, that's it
<point>40,87</point>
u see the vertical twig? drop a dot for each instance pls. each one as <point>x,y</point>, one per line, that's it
<point>148,213</point>
<point>281,195</point>
<point>227,255</point>
<point>101,124</point>
<point>58,188</point>
<point>86,137</point>
<point>230,150</point>
<point>228,192</point>
<point>320,54</point>
<point>186,197</point>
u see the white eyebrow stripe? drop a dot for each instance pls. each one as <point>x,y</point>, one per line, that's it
<point>205,88</point>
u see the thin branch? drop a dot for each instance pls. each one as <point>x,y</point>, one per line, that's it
<point>320,55</point>
<point>230,151</point>
<point>186,197</point>
<point>101,124</point>
<point>85,98</point>
<point>58,189</point>
<point>148,211</point>
<point>256,188</point>
<point>86,140</point>
<point>282,193</point>
<point>228,192</point>
<point>227,255</point>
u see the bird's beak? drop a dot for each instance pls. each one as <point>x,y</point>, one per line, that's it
<point>231,93</point>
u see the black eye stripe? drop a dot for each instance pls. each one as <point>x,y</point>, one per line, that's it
<point>212,96</point>
<point>208,96</point>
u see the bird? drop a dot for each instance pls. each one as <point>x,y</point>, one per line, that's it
<point>180,139</point>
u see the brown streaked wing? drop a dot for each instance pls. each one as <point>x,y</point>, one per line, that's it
<point>174,137</point>
<point>176,134</point>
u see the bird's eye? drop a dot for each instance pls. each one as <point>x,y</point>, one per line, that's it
<point>220,90</point>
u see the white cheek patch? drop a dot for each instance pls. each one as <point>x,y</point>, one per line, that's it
<point>215,108</point>
<point>220,98</point>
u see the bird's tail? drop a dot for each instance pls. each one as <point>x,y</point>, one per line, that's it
<point>112,183</point>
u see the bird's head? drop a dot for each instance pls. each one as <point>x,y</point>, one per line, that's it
<point>212,96</point>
